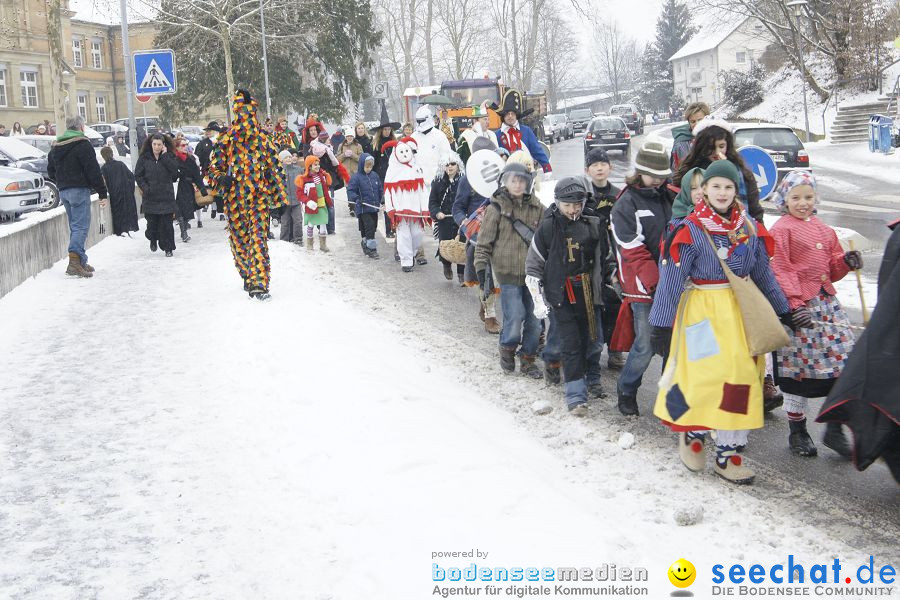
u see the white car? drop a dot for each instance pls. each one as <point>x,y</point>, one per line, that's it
<point>21,192</point>
<point>663,135</point>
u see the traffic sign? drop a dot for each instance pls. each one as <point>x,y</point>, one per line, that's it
<point>380,90</point>
<point>154,72</point>
<point>763,167</point>
<point>143,99</point>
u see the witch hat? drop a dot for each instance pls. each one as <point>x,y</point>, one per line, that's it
<point>512,102</point>
<point>386,120</point>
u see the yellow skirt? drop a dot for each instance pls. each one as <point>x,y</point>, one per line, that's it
<point>710,380</point>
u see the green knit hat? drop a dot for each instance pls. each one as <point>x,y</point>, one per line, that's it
<point>722,168</point>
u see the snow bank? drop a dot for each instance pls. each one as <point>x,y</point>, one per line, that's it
<point>855,159</point>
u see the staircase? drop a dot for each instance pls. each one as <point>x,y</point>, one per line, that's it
<point>852,121</point>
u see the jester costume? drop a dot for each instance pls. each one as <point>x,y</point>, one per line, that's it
<point>245,172</point>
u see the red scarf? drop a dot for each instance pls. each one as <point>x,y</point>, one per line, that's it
<point>734,226</point>
<point>181,155</point>
<point>512,139</point>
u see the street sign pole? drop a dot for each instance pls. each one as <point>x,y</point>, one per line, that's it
<point>262,22</point>
<point>129,92</point>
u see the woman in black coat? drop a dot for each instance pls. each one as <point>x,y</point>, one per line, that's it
<point>188,177</point>
<point>155,172</point>
<point>440,205</point>
<point>120,184</point>
<point>382,158</point>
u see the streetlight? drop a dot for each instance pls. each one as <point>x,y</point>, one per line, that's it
<point>798,7</point>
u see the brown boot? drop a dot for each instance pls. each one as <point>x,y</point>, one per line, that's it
<point>528,368</point>
<point>75,267</point>
<point>88,267</point>
<point>491,325</point>
<point>322,246</point>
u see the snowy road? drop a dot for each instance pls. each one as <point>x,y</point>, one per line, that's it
<point>162,436</point>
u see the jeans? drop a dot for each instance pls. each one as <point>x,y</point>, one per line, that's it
<point>330,226</point>
<point>519,323</point>
<point>640,354</point>
<point>78,208</point>
<point>553,346</point>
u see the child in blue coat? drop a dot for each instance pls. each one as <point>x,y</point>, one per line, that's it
<point>367,194</point>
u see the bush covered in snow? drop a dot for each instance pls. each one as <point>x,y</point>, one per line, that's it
<point>742,90</point>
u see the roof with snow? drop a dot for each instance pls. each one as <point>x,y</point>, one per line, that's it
<point>714,30</point>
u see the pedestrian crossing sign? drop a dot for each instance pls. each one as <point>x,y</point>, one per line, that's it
<point>154,72</point>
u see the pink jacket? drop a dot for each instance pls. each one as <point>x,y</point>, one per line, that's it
<point>808,257</point>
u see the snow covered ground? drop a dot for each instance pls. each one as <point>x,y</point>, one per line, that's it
<point>856,159</point>
<point>163,436</point>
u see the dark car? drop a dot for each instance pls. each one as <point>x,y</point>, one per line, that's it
<point>609,133</point>
<point>631,114</point>
<point>579,119</point>
<point>21,155</point>
<point>779,141</point>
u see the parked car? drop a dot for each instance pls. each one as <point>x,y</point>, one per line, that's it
<point>631,114</point>
<point>151,124</point>
<point>21,192</point>
<point>557,128</point>
<point>779,141</point>
<point>19,154</point>
<point>663,135</point>
<point>109,129</point>
<point>609,133</point>
<point>579,119</point>
<point>191,130</point>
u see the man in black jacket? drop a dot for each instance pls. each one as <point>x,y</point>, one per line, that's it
<point>72,164</point>
<point>203,151</point>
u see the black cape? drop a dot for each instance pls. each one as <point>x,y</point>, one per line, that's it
<point>120,184</point>
<point>866,397</point>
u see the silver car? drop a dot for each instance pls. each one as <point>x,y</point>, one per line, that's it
<point>21,192</point>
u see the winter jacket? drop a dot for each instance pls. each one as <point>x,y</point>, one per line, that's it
<point>639,219</point>
<point>467,201</point>
<point>350,162</point>
<point>309,188</point>
<point>443,196</point>
<point>188,177</point>
<point>382,158</point>
<point>291,172</point>
<point>365,190</point>
<point>120,183</point>
<point>72,163</point>
<point>498,241</point>
<point>203,150</point>
<point>808,258</point>
<point>549,257</point>
<point>602,201</point>
<point>530,141</point>
<point>366,143</point>
<point>154,177</point>
<point>336,140</point>
<point>682,144</point>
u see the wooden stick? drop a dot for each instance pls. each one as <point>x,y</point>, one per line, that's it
<point>859,286</point>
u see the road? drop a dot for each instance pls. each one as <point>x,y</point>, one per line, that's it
<point>861,508</point>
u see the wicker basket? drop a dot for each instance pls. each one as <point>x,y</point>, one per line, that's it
<point>454,250</point>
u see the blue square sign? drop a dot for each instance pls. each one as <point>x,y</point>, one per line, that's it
<point>154,72</point>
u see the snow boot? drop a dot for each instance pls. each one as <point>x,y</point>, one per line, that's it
<point>169,254</point>
<point>579,410</point>
<point>551,372</point>
<point>182,225</point>
<point>448,271</point>
<point>365,248</point>
<point>836,440</point>
<point>75,268</point>
<point>88,267</point>
<point>628,405</point>
<point>596,390</point>
<point>406,269</point>
<point>508,359</point>
<point>730,467</point>
<point>772,398</point>
<point>259,293</point>
<point>153,246</point>
<point>690,449</point>
<point>492,325</point>
<point>309,243</point>
<point>528,368</point>
<point>799,441</point>
<point>322,245</point>
<point>616,360</point>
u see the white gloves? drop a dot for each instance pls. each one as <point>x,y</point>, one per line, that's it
<point>312,205</point>
<point>541,310</point>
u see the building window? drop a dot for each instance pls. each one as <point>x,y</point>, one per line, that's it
<point>96,55</point>
<point>100,103</point>
<point>28,80</point>
<point>2,87</point>
<point>741,57</point>
<point>678,68</point>
<point>697,91</point>
<point>77,56</point>
<point>82,105</point>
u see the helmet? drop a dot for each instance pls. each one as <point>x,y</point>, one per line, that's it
<point>571,190</point>
<point>513,169</point>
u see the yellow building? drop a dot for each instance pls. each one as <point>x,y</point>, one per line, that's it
<point>94,70</point>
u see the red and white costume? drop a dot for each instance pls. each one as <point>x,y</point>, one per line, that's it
<point>405,199</point>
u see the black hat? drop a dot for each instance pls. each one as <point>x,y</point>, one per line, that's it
<point>385,120</point>
<point>571,189</point>
<point>596,155</point>
<point>213,126</point>
<point>512,102</point>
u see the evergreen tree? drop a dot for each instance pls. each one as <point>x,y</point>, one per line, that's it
<point>673,30</point>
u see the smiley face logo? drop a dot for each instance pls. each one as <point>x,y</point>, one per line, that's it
<point>682,573</point>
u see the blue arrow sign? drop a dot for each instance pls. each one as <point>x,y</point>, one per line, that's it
<point>763,167</point>
<point>154,72</point>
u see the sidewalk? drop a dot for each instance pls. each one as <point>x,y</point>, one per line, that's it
<point>855,159</point>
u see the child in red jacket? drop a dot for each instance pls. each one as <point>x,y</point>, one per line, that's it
<point>314,195</point>
<point>808,258</point>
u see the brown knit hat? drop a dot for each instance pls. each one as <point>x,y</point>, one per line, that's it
<point>652,159</point>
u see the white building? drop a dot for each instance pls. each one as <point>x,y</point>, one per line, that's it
<point>726,41</point>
